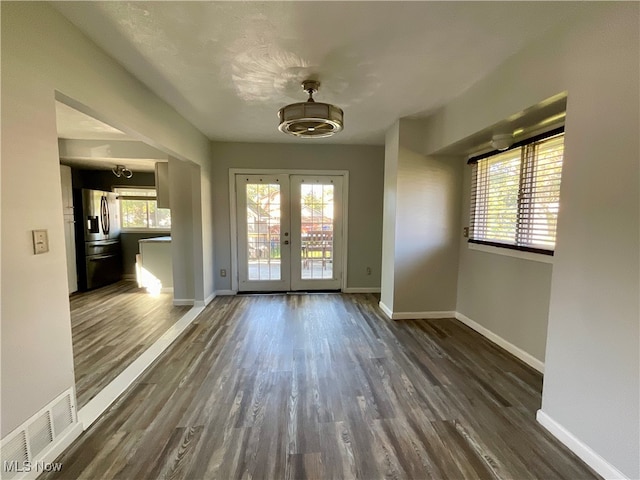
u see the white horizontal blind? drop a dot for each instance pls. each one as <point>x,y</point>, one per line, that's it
<point>494,195</point>
<point>515,196</point>
<point>540,193</point>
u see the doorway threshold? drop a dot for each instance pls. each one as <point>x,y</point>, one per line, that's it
<point>297,292</point>
<point>315,292</point>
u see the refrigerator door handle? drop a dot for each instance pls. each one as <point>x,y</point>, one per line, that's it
<point>104,215</point>
<point>97,258</point>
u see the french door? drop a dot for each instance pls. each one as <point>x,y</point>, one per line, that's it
<point>289,232</point>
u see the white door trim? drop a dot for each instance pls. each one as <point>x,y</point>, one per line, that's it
<point>233,230</point>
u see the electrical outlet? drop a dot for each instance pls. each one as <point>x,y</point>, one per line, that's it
<point>223,272</point>
<point>40,241</point>
<point>368,270</point>
<point>465,232</point>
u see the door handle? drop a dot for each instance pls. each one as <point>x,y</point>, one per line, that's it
<point>97,258</point>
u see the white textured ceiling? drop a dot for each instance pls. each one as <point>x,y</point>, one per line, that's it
<point>229,66</point>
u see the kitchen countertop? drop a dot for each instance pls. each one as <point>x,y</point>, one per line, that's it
<point>155,240</point>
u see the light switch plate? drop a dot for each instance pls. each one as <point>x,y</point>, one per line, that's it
<point>40,241</point>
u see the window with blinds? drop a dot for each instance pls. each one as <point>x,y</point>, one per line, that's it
<point>515,195</point>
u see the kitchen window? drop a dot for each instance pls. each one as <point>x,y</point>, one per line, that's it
<point>139,210</point>
<point>515,195</point>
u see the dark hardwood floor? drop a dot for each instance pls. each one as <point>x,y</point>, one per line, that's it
<point>324,386</point>
<point>110,327</point>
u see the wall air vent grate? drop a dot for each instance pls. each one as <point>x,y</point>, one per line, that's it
<point>40,434</point>
<point>40,438</point>
<point>14,452</point>
<point>62,414</point>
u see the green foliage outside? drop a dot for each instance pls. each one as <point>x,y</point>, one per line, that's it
<point>143,214</point>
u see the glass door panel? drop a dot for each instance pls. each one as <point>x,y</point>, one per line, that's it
<point>316,232</point>
<point>289,232</point>
<point>263,245</point>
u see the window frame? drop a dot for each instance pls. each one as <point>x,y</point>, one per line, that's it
<point>512,249</point>
<point>118,191</point>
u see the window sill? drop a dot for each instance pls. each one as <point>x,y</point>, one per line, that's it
<point>534,257</point>
<point>161,231</point>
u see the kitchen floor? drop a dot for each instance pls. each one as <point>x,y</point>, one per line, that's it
<point>111,326</point>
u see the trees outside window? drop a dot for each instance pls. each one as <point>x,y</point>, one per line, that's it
<point>515,195</point>
<point>139,210</point>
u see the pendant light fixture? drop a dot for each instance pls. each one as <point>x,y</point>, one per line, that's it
<point>122,171</point>
<point>311,119</point>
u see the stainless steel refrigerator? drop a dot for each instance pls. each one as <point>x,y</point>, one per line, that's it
<point>97,238</point>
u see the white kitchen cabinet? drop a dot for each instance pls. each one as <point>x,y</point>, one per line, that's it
<point>69,227</point>
<point>154,266</point>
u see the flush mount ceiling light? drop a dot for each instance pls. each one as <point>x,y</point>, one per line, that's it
<point>311,119</point>
<point>502,141</point>
<point>122,171</point>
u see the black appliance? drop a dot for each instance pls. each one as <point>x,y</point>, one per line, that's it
<point>99,255</point>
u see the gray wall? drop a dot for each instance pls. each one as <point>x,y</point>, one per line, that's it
<point>487,293</point>
<point>422,205</point>
<point>365,166</point>
<point>182,236</point>
<point>391,150</point>
<point>43,54</point>
<point>592,360</point>
<point>592,381</point>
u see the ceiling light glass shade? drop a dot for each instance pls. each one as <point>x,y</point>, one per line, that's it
<point>502,141</point>
<point>311,119</point>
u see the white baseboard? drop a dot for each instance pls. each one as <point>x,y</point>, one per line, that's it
<point>361,290</point>
<point>98,404</point>
<point>223,293</point>
<point>501,342</point>
<point>485,332</point>
<point>66,439</point>
<point>415,315</point>
<point>423,315</point>
<point>209,298</point>
<point>387,311</point>
<point>205,302</point>
<point>183,302</point>
<point>583,451</point>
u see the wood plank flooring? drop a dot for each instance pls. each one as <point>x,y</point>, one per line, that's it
<point>110,327</point>
<point>324,386</point>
